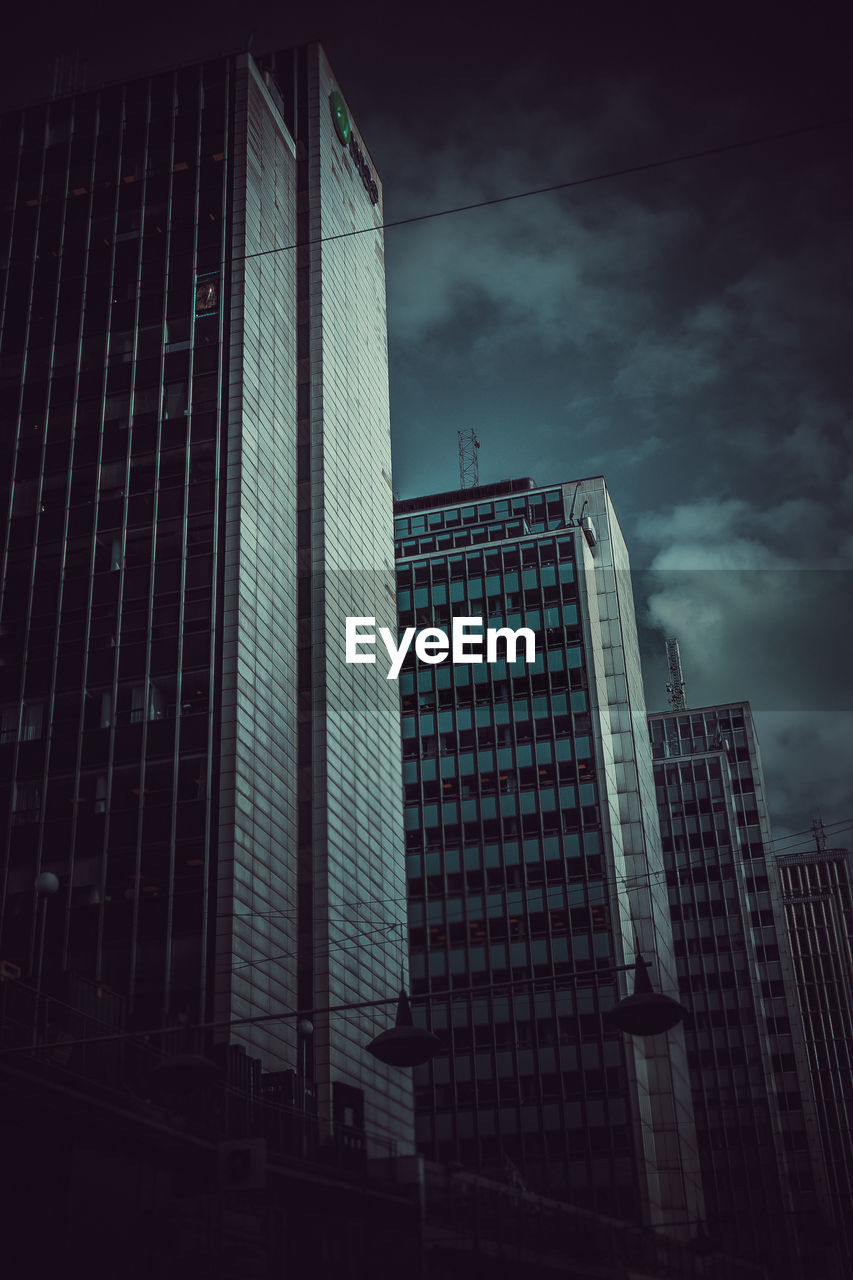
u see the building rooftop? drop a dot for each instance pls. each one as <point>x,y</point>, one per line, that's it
<point>475,494</point>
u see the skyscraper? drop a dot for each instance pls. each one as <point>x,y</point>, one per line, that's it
<point>817,899</point>
<point>764,1191</point>
<point>195,493</point>
<point>533,856</point>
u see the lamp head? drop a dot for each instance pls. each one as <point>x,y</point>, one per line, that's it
<point>404,1045</point>
<point>647,1012</point>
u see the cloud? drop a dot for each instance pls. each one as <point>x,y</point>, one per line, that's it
<point>559,269</point>
<point>819,446</point>
<point>687,305</point>
<point>777,637</point>
<point>779,640</point>
<point>806,760</point>
<point>726,577</point>
<point>793,533</point>
<point>630,455</point>
<point>521,274</point>
<point>681,331</point>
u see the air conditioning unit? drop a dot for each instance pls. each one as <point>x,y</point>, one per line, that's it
<point>243,1164</point>
<point>588,529</point>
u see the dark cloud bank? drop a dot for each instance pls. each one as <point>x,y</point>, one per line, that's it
<point>683,331</point>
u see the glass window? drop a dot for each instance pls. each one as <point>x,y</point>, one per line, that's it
<point>31,721</point>
<point>9,724</point>
<point>27,796</point>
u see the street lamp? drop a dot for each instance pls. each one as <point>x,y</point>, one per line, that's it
<point>404,1044</point>
<point>644,1013</point>
<point>647,1012</point>
<point>45,886</point>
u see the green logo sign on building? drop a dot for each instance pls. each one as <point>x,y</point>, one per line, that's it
<point>343,128</point>
<point>340,115</point>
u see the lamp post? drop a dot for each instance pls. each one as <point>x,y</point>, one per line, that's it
<point>46,885</point>
<point>305,1029</point>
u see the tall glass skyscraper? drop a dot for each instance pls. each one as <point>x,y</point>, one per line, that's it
<point>195,493</point>
<point>534,860</point>
<point>764,1189</point>
<point>817,899</point>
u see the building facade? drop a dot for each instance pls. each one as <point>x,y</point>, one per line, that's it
<point>764,1192</point>
<point>533,857</point>
<point>817,899</point>
<point>195,492</point>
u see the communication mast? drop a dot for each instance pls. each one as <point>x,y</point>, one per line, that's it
<point>469,459</point>
<point>675,688</point>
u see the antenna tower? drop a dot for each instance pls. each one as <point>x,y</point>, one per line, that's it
<point>469,459</point>
<point>675,688</point>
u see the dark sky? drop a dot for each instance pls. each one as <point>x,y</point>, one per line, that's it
<point>685,330</point>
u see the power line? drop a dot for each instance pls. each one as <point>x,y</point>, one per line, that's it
<point>605,176</point>
<point>318,952</point>
<point>657,877</point>
<point>613,879</point>
<point>648,880</point>
<point>581,977</point>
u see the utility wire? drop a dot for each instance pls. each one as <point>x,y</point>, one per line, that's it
<point>649,878</point>
<point>579,977</point>
<point>318,953</point>
<point>389,928</point>
<point>605,176</point>
<point>794,839</point>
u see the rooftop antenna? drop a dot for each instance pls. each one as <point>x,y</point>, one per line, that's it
<point>675,688</point>
<point>819,832</point>
<point>469,459</point>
